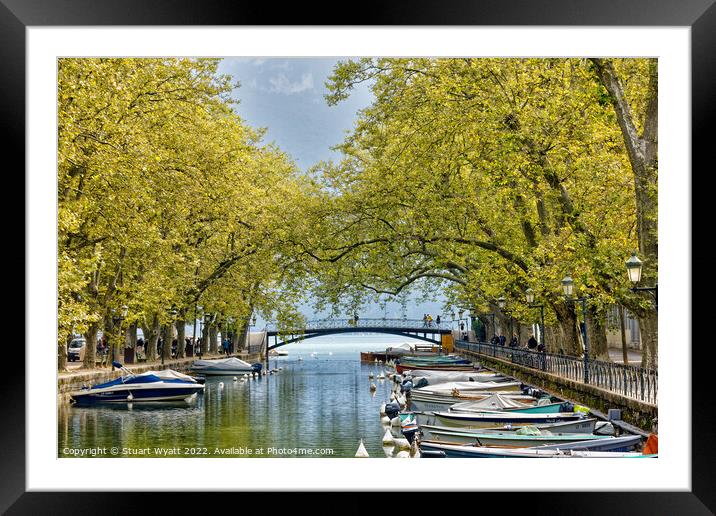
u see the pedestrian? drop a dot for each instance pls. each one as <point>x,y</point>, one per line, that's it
<point>430,320</point>
<point>503,340</point>
<point>437,320</point>
<point>514,343</point>
<point>532,342</point>
<point>541,347</point>
<point>425,320</point>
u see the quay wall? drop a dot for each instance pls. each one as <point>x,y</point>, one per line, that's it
<point>73,381</point>
<point>634,412</point>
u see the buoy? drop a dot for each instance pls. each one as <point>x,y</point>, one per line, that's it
<point>236,379</point>
<point>403,455</point>
<point>385,420</point>
<point>330,352</point>
<point>372,386</point>
<point>130,397</point>
<point>362,452</point>
<point>388,437</point>
<point>401,443</point>
<point>221,385</point>
<point>370,376</point>
<point>382,409</point>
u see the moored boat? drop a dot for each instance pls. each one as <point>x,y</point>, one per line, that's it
<point>224,367</point>
<point>487,419</point>
<point>584,426</point>
<point>514,439</point>
<point>151,386</point>
<point>468,451</point>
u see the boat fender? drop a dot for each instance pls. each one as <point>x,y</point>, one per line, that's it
<point>406,386</point>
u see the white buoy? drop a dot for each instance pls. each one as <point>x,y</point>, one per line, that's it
<point>385,420</point>
<point>382,409</point>
<point>300,359</point>
<point>236,379</point>
<point>401,443</point>
<point>221,385</point>
<point>403,454</point>
<point>130,397</point>
<point>372,386</point>
<point>362,452</point>
<point>388,437</point>
<point>370,376</point>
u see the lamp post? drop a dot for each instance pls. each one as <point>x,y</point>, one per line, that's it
<point>634,267</point>
<point>193,340</point>
<point>205,342</point>
<point>530,295</point>
<point>568,289</point>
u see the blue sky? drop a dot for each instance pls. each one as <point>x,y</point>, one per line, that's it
<point>286,96</point>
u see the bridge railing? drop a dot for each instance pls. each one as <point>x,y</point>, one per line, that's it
<point>402,324</point>
<point>626,380</point>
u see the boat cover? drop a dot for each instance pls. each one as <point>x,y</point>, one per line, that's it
<point>449,388</point>
<point>228,364</point>
<point>401,348</point>
<point>436,377</point>
<point>494,401</point>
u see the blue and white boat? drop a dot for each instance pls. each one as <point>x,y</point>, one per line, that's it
<point>152,386</point>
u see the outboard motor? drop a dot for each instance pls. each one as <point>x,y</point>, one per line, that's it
<point>421,383</point>
<point>256,368</point>
<point>406,386</point>
<point>392,409</point>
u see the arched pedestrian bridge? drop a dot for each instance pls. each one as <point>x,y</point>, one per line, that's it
<point>413,328</point>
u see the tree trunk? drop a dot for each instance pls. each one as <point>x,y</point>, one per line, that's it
<point>151,336</point>
<point>649,331</point>
<point>213,333</point>
<point>131,336</point>
<point>597,333</point>
<point>622,327</point>
<point>570,340</point>
<point>62,353</point>
<point>181,337</point>
<point>167,341</point>
<point>91,346</point>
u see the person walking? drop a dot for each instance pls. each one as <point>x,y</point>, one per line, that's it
<point>514,343</point>
<point>532,342</point>
<point>437,320</point>
<point>502,340</point>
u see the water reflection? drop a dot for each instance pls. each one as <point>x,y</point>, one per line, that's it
<point>324,402</point>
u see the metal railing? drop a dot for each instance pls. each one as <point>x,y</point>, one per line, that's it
<point>626,380</point>
<point>417,325</point>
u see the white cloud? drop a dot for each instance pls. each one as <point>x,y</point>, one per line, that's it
<point>282,84</point>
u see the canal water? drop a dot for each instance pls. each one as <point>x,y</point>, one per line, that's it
<point>319,406</point>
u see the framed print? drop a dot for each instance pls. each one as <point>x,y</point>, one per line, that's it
<point>267,248</point>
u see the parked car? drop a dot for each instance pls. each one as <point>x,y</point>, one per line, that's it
<point>76,350</point>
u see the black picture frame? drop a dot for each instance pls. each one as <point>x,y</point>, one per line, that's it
<point>699,15</point>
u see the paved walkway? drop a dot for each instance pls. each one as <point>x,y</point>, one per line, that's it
<point>633,355</point>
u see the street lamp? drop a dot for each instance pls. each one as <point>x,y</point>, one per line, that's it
<point>207,320</point>
<point>168,345</point>
<point>530,295</point>
<point>501,302</point>
<point>634,266</point>
<point>568,288</point>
